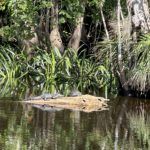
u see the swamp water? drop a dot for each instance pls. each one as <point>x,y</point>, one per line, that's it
<point>125,126</point>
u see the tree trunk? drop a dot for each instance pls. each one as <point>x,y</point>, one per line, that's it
<point>55,38</point>
<point>121,67</point>
<point>141,16</point>
<point>74,42</point>
<point>47,27</point>
<point>28,44</point>
<point>108,64</point>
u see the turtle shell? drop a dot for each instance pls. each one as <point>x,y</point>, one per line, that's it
<point>46,96</point>
<point>75,93</point>
<point>56,95</point>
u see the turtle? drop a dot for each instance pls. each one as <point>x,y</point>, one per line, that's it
<point>56,95</point>
<point>34,98</point>
<point>46,96</point>
<point>75,92</point>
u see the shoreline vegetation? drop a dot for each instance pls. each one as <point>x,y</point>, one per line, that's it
<point>92,45</point>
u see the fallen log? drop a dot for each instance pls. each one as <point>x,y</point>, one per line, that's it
<point>86,103</point>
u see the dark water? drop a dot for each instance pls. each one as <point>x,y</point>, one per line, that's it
<point>125,126</point>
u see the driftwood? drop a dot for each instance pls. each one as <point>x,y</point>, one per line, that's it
<point>86,103</point>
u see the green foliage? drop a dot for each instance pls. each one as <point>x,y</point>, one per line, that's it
<point>140,75</point>
<point>52,69</point>
<point>71,9</point>
<point>8,65</point>
<point>23,18</point>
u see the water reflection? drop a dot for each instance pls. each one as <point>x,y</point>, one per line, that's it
<point>124,126</point>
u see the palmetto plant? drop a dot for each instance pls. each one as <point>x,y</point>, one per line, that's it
<point>8,65</point>
<point>140,75</point>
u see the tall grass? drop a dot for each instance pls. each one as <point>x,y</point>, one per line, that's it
<point>8,65</point>
<point>140,75</point>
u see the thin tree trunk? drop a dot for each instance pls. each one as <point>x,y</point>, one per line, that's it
<point>107,35</point>
<point>47,27</point>
<point>40,29</point>
<point>121,72</point>
<point>74,42</point>
<point>104,23</point>
<point>55,38</point>
<point>129,38</point>
<point>110,49</point>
